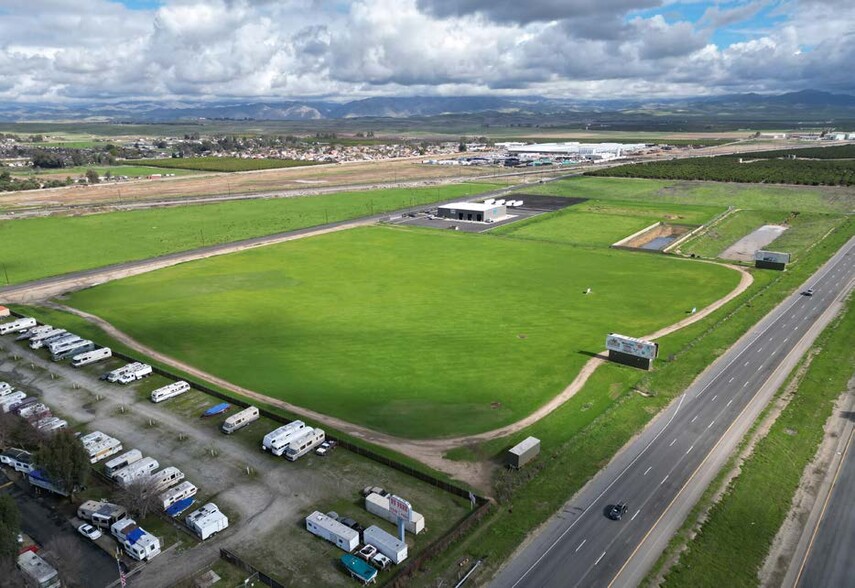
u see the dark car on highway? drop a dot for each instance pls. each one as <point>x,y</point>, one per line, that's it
<point>808,292</point>
<point>617,511</point>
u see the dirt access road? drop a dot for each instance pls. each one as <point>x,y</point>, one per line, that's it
<point>431,451</point>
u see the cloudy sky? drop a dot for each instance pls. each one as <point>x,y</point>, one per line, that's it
<point>72,50</point>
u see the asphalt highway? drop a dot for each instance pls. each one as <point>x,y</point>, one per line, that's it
<point>829,561</point>
<point>663,471</point>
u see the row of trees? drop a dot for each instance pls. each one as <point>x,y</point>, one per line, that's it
<point>11,184</point>
<point>834,152</point>
<point>729,169</point>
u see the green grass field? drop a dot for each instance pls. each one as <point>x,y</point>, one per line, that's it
<point>133,171</point>
<point>419,333</point>
<point>749,196</point>
<point>30,248</point>
<point>225,164</point>
<point>603,222</point>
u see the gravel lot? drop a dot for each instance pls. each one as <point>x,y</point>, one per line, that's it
<point>266,498</point>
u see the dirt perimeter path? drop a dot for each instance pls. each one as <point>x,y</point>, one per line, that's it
<point>429,451</point>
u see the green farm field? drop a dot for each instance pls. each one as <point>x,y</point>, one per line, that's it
<point>602,222</point>
<point>133,171</point>
<point>31,252</point>
<point>225,164</point>
<point>748,196</point>
<point>415,332</point>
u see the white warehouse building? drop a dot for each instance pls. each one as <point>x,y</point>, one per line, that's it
<point>478,212</point>
<point>576,149</point>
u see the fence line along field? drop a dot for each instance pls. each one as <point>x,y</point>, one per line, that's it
<point>225,164</point>
<point>32,252</point>
<point>415,332</point>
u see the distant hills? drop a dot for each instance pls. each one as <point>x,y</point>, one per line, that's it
<point>814,104</point>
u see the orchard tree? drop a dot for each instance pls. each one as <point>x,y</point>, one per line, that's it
<point>65,461</point>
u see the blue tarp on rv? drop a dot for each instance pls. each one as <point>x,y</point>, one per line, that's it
<point>180,506</point>
<point>135,535</point>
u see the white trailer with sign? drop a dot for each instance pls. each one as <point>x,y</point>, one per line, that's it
<point>379,505</point>
<point>631,351</point>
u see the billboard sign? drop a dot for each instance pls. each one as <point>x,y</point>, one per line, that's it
<point>771,256</point>
<point>400,507</point>
<point>632,346</point>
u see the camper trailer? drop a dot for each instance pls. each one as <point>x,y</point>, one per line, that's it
<point>276,442</point>
<point>304,443</point>
<point>207,521</point>
<point>138,544</point>
<point>136,471</point>
<point>91,356</point>
<point>138,372</point>
<point>122,461</point>
<point>78,348</point>
<point>100,446</point>
<point>170,391</point>
<point>101,514</point>
<point>16,326</point>
<point>183,490</point>
<point>40,340</point>
<point>333,531</point>
<point>240,420</point>
<point>165,478</point>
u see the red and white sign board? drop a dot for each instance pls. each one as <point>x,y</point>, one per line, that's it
<point>400,507</point>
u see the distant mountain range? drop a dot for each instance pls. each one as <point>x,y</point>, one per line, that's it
<point>808,103</point>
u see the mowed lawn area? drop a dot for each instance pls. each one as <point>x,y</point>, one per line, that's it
<point>749,196</point>
<point>415,332</point>
<point>603,222</point>
<point>41,247</point>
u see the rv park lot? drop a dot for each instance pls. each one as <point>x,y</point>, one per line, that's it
<point>266,507</point>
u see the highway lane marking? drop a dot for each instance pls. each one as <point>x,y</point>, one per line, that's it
<point>690,448</point>
<point>731,379</point>
<point>694,419</point>
<point>698,468</point>
<point>729,401</point>
<point>599,558</point>
<point>760,350</point>
<point>580,545</point>
<point>713,398</point>
<point>635,515</point>
<point>711,424</point>
<point>603,493</point>
<point>672,442</point>
<point>745,384</point>
<point>746,364</point>
<point>663,479</point>
<point>651,467</point>
<point>787,339</point>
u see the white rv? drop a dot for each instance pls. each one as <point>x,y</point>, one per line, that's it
<point>100,446</point>
<point>240,420</point>
<point>183,490</point>
<point>126,369</point>
<point>122,461</point>
<point>170,391</point>
<point>207,520</point>
<point>40,340</point>
<point>333,531</point>
<point>136,471</point>
<point>91,356</point>
<point>165,478</point>
<point>10,401</point>
<point>30,333</point>
<point>139,544</point>
<point>22,324</point>
<point>64,343</point>
<point>102,514</point>
<point>304,443</point>
<point>37,571</point>
<point>143,370</point>
<point>51,423</point>
<point>276,442</point>
<point>71,350</point>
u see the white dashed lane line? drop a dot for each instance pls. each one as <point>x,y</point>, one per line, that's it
<point>651,467</point>
<point>580,545</point>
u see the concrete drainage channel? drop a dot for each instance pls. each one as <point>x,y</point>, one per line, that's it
<point>400,577</point>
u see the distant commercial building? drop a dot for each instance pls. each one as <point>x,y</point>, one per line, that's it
<point>478,212</point>
<point>575,149</point>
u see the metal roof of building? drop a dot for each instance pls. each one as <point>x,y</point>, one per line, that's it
<point>471,206</point>
<point>525,445</point>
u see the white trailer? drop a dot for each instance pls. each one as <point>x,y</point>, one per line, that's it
<point>138,373</point>
<point>165,478</point>
<point>333,531</point>
<point>387,544</point>
<point>379,505</point>
<point>136,471</point>
<point>10,401</point>
<point>119,372</point>
<point>122,461</point>
<point>37,571</point>
<point>78,348</point>
<point>138,543</point>
<point>63,343</point>
<point>207,520</point>
<point>16,326</point>
<point>304,443</point>
<point>37,330</point>
<point>40,340</point>
<point>51,423</point>
<point>39,409</point>
<point>91,356</point>
<point>170,391</point>
<point>184,490</point>
<point>101,446</point>
<point>240,420</point>
<point>101,513</point>
<point>276,442</point>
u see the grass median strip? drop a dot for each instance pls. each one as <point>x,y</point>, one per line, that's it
<point>733,542</point>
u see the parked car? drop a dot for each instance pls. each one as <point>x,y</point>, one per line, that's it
<point>808,292</point>
<point>381,561</point>
<point>367,552</point>
<point>323,449</point>
<point>89,531</point>
<point>617,511</point>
